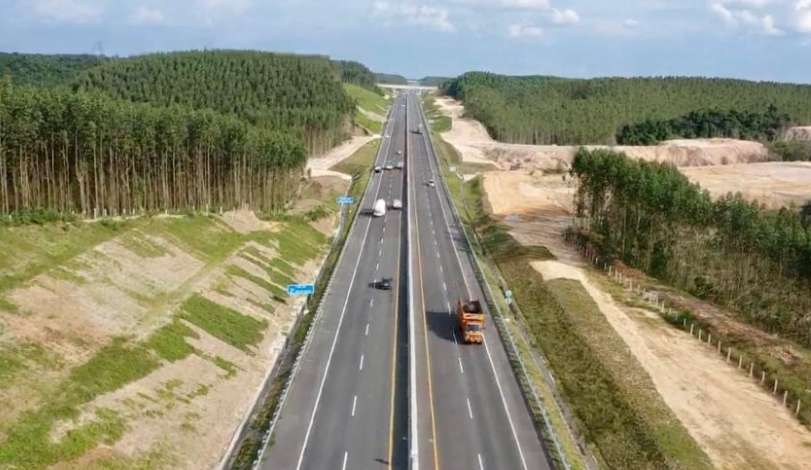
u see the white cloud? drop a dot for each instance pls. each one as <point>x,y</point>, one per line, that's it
<point>524,31</point>
<point>213,11</point>
<point>742,17</point>
<point>802,20</point>
<point>422,15</point>
<point>506,4</point>
<point>68,11</point>
<point>565,16</point>
<point>630,23</point>
<point>146,15</point>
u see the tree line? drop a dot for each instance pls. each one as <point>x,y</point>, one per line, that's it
<point>746,125</point>
<point>300,95</point>
<point>730,251</point>
<point>45,69</point>
<point>89,154</point>
<point>553,110</point>
<point>357,74</point>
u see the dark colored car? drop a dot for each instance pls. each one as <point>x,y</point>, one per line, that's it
<point>383,284</point>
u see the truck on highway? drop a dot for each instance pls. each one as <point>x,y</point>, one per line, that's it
<point>380,208</point>
<point>471,321</point>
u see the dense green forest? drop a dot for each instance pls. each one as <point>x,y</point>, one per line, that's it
<point>45,70</point>
<point>391,79</point>
<point>357,74</point>
<point>90,154</point>
<point>730,251</point>
<point>704,124</point>
<point>551,110</point>
<point>300,95</point>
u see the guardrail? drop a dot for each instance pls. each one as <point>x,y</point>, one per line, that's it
<point>533,401</point>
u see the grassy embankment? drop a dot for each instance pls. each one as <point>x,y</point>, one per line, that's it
<point>359,166</point>
<point>27,442</point>
<point>368,101</point>
<point>614,402</point>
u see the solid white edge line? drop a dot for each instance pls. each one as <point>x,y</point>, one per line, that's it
<point>335,340</point>
<point>429,149</point>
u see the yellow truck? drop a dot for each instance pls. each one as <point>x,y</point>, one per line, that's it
<point>471,321</point>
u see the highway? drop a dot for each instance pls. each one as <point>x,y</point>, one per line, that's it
<point>341,410</point>
<point>384,381</point>
<point>471,414</point>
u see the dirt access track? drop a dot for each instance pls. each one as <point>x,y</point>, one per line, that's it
<point>734,421</point>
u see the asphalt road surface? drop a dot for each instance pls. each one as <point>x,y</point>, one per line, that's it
<point>340,409</point>
<point>474,416</point>
<point>384,381</point>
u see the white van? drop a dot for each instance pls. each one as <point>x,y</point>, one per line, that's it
<point>380,208</point>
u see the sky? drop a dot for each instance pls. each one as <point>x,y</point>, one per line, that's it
<point>751,39</point>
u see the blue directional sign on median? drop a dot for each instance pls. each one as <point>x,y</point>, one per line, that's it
<point>300,289</point>
<point>346,200</point>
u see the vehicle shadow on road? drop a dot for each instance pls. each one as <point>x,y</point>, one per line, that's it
<point>441,324</point>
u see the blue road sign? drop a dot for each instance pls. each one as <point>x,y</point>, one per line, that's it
<point>300,289</point>
<point>346,200</point>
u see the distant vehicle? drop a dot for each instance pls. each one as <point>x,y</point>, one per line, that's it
<point>389,167</point>
<point>399,165</point>
<point>396,204</point>
<point>378,169</point>
<point>417,131</point>
<point>431,183</point>
<point>380,208</point>
<point>471,321</point>
<point>383,284</point>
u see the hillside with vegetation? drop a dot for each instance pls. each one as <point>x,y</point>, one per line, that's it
<point>552,110</point>
<point>45,69</point>
<point>299,95</point>
<point>357,74</point>
<point>391,79</point>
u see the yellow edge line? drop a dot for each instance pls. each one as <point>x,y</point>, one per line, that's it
<point>394,355</point>
<point>427,350</point>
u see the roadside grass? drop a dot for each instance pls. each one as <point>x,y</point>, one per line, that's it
<point>141,246</point>
<point>204,235</point>
<point>238,330</point>
<point>360,163</point>
<point>169,342</point>
<point>372,126</point>
<point>368,100</point>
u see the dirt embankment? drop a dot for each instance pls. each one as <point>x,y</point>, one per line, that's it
<point>475,145</point>
<point>184,411</point>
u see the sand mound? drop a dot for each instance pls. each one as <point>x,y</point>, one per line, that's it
<point>775,184</point>
<point>799,133</point>
<point>475,145</point>
<point>320,166</point>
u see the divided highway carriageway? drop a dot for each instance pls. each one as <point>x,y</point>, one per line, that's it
<point>384,381</point>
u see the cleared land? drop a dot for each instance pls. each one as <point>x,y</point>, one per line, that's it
<point>475,145</point>
<point>775,184</point>
<point>734,421</point>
